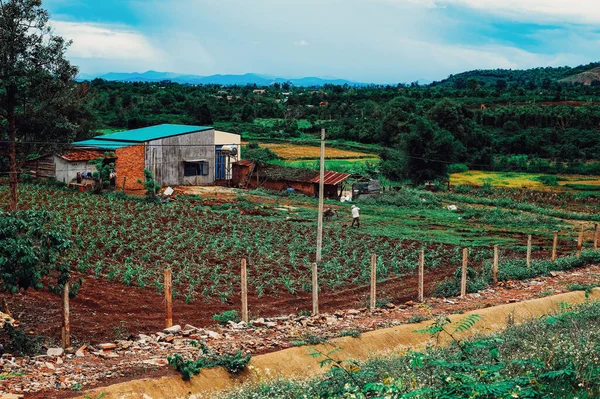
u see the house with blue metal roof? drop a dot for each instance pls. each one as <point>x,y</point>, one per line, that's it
<point>175,154</point>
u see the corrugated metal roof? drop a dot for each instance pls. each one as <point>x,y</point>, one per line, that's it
<point>103,144</point>
<point>152,133</point>
<point>332,178</point>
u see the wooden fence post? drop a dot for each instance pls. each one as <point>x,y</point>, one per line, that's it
<point>168,299</point>
<point>529,251</point>
<point>244,280</point>
<point>66,328</point>
<point>373,302</point>
<point>554,246</point>
<point>124,181</point>
<point>315,290</point>
<point>421,275</point>
<point>580,241</point>
<point>463,282</point>
<point>495,265</point>
<point>596,236</point>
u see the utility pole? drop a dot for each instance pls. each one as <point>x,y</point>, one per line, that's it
<point>321,189</point>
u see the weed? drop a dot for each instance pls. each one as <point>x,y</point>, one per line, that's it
<point>226,317</point>
<point>350,333</point>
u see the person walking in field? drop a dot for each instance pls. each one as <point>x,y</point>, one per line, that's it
<point>355,216</point>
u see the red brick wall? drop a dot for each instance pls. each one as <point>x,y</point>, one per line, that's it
<point>130,163</point>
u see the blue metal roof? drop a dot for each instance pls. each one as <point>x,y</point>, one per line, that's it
<point>103,144</point>
<point>152,133</point>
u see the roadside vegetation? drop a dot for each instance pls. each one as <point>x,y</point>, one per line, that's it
<point>556,356</point>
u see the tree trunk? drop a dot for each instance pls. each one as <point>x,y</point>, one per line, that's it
<point>12,128</point>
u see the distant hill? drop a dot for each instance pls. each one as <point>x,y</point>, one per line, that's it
<point>535,76</point>
<point>585,78</point>
<point>226,80</point>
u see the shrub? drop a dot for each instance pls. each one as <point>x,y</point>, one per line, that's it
<point>227,316</point>
<point>350,333</point>
<point>457,168</point>
<point>20,343</point>
<point>232,362</point>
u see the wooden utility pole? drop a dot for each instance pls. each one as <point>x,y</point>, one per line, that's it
<point>421,275</point>
<point>315,290</point>
<point>580,241</point>
<point>321,196</point>
<point>373,298</point>
<point>66,328</point>
<point>168,299</point>
<point>495,265</point>
<point>244,281</point>
<point>529,251</point>
<point>463,282</point>
<point>554,246</point>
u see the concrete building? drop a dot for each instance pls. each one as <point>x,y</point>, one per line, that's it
<point>175,154</point>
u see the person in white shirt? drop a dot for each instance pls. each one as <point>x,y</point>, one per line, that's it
<point>355,216</point>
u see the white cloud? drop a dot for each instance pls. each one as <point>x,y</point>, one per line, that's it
<point>105,42</point>
<point>302,43</point>
<point>571,11</point>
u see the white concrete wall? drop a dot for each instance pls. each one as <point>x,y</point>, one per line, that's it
<point>67,171</point>
<point>224,138</point>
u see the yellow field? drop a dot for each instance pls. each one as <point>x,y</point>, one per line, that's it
<point>292,151</point>
<point>520,180</point>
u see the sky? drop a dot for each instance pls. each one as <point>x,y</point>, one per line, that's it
<point>377,41</point>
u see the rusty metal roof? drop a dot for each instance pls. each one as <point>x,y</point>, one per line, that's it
<point>244,162</point>
<point>332,178</point>
<point>82,155</point>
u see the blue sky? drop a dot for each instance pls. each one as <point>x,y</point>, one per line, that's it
<point>381,41</point>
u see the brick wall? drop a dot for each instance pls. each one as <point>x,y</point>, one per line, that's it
<point>130,163</point>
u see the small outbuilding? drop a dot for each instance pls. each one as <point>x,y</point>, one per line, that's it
<point>65,167</point>
<point>246,174</point>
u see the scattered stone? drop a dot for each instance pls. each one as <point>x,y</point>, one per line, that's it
<point>49,365</point>
<point>173,330</point>
<point>107,347</point>
<point>188,327</point>
<point>54,352</point>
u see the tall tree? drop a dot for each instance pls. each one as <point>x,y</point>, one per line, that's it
<point>38,97</point>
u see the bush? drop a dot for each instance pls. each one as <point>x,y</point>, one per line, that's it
<point>232,362</point>
<point>227,316</point>
<point>457,168</point>
<point>548,180</point>
<point>20,343</point>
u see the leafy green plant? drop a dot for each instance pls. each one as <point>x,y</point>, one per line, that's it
<point>152,187</point>
<point>350,333</point>
<point>227,316</point>
<point>232,362</point>
<point>20,343</point>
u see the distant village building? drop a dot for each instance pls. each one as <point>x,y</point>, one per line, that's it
<point>175,154</point>
<point>259,91</point>
<point>246,174</point>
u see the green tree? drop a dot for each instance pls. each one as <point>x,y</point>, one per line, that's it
<point>36,83</point>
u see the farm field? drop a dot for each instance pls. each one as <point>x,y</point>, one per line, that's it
<point>289,151</point>
<point>537,181</point>
<point>202,240</point>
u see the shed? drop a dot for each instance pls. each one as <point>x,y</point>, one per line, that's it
<point>274,177</point>
<point>65,166</point>
<point>175,154</point>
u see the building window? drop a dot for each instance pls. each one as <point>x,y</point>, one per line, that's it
<point>199,168</point>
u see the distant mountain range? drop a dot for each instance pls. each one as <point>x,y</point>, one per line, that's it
<point>226,80</point>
